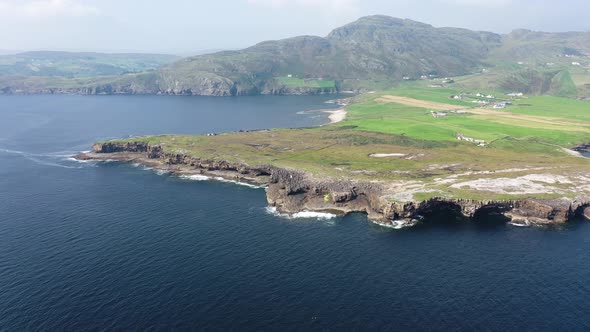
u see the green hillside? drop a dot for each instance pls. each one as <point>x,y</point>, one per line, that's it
<point>372,53</point>
<point>74,65</point>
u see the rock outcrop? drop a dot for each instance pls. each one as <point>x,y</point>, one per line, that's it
<point>163,85</point>
<point>292,191</point>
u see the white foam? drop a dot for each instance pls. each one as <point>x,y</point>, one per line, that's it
<point>195,177</point>
<point>81,161</point>
<point>395,224</point>
<point>142,167</point>
<point>526,224</point>
<point>199,177</point>
<point>48,163</point>
<point>300,215</point>
<point>59,154</point>
<point>316,215</point>
<point>245,184</point>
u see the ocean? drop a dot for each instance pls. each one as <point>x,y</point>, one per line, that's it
<point>110,246</point>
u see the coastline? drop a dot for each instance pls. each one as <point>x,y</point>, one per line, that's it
<point>292,192</point>
<point>291,189</point>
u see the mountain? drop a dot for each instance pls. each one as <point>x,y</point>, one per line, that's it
<point>373,52</point>
<point>372,49</point>
<point>72,65</point>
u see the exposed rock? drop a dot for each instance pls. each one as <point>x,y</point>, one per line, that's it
<point>582,148</point>
<point>292,191</point>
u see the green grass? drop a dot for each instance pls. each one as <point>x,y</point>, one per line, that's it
<point>420,90</point>
<point>391,118</point>
<point>429,145</point>
<point>555,107</point>
<point>566,86</point>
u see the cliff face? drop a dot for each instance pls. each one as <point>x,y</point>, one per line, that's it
<point>219,87</point>
<point>292,191</point>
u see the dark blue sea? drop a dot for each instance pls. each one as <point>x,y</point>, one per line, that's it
<point>107,246</point>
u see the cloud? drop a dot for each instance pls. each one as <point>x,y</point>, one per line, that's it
<point>45,9</point>
<point>331,5</point>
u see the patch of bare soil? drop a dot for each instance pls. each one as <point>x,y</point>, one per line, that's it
<point>419,103</point>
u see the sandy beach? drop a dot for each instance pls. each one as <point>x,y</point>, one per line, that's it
<point>337,115</point>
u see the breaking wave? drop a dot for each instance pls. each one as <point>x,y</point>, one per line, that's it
<point>300,215</point>
<point>195,177</point>
<point>245,184</point>
<point>198,177</point>
<point>526,224</point>
<point>395,224</point>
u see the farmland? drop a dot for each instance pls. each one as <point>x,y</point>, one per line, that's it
<point>417,154</point>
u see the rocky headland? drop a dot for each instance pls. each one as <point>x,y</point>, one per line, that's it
<point>291,191</point>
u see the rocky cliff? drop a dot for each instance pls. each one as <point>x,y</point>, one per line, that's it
<point>157,85</point>
<point>292,191</point>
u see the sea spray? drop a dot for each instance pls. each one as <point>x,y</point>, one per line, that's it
<point>300,215</point>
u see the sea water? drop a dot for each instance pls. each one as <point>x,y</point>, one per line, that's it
<point>110,246</point>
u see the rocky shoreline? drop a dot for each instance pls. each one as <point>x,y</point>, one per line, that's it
<point>204,87</point>
<point>292,191</point>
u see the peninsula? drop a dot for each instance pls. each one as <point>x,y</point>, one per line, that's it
<point>401,155</point>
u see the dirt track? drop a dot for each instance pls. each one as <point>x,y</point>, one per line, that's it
<point>419,103</point>
<point>504,117</point>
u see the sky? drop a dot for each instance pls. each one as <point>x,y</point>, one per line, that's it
<point>190,26</point>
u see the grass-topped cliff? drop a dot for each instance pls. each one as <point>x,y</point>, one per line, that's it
<point>407,141</point>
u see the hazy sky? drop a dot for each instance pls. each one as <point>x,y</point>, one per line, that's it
<point>183,26</point>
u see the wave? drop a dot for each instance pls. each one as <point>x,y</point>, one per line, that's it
<point>198,177</point>
<point>395,224</point>
<point>58,154</point>
<point>300,215</point>
<point>49,163</point>
<point>195,177</point>
<point>142,167</point>
<point>38,158</point>
<point>526,224</point>
<point>316,215</point>
<point>240,183</point>
<point>72,159</point>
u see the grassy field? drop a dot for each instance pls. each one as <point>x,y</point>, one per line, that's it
<point>427,159</point>
<point>554,107</point>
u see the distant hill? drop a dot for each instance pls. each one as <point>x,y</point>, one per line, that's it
<point>359,55</point>
<point>372,53</point>
<point>73,65</point>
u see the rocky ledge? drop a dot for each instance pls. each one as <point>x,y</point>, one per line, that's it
<point>292,191</point>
